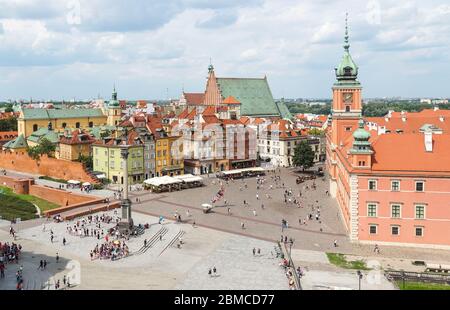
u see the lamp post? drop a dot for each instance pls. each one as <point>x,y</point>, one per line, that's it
<point>360,275</point>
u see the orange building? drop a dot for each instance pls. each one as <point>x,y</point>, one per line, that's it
<point>390,175</point>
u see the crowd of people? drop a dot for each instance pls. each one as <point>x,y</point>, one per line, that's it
<point>113,250</point>
<point>9,254</point>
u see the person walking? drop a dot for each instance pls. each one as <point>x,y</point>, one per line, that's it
<point>335,243</point>
<point>64,241</point>
<point>229,211</point>
<point>57,257</point>
<point>210,272</point>
<point>254,212</point>
<point>254,251</point>
<point>242,225</point>
<point>215,271</point>
<point>259,251</point>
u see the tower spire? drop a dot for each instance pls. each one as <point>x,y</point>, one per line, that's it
<point>346,43</point>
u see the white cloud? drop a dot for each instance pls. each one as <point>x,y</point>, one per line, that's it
<point>154,45</point>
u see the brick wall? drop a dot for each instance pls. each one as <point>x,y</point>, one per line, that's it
<point>60,197</point>
<point>19,186</point>
<point>52,167</point>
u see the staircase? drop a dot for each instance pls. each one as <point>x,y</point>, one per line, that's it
<point>153,240</point>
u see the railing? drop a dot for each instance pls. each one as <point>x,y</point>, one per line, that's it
<point>418,276</point>
<point>287,254</point>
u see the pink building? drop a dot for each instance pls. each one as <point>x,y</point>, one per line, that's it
<point>390,175</point>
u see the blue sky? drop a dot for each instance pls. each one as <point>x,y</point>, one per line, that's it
<point>63,49</point>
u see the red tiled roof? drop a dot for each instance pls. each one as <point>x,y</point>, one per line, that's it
<point>194,98</point>
<point>8,135</point>
<point>77,137</point>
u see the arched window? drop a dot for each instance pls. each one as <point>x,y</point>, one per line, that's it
<point>77,125</point>
<point>347,108</point>
<point>91,124</point>
<point>64,125</point>
<point>35,127</point>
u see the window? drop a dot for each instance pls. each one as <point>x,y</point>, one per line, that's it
<point>348,128</point>
<point>35,127</point>
<point>347,108</point>
<point>395,230</point>
<point>372,210</point>
<point>91,124</point>
<point>420,212</point>
<point>361,163</point>
<point>419,231</point>
<point>420,186</point>
<point>395,186</point>
<point>64,125</point>
<point>396,211</point>
<point>372,185</point>
<point>373,229</point>
<point>77,125</point>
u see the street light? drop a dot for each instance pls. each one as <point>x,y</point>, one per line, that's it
<point>360,275</point>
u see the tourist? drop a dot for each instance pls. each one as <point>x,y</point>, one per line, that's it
<point>210,272</point>
<point>254,212</point>
<point>57,257</point>
<point>229,211</point>
<point>64,241</point>
<point>45,264</point>
<point>259,251</point>
<point>254,251</point>
<point>215,271</point>
<point>242,225</point>
<point>335,243</point>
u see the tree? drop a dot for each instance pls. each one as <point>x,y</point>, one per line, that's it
<point>9,124</point>
<point>303,155</point>
<point>86,160</point>
<point>46,147</point>
<point>315,132</point>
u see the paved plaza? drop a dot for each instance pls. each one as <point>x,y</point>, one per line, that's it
<point>162,266</point>
<point>216,240</point>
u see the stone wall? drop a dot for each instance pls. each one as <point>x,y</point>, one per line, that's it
<point>52,167</point>
<point>59,197</point>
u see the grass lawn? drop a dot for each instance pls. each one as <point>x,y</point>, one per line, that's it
<point>340,261</point>
<point>14,205</point>
<point>421,286</point>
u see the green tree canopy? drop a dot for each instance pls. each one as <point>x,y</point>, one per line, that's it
<point>303,155</point>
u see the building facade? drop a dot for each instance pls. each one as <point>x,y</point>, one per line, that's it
<point>391,175</point>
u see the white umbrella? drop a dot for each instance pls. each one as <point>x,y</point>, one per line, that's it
<point>86,184</point>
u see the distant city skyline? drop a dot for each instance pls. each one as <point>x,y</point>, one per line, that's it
<point>60,50</point>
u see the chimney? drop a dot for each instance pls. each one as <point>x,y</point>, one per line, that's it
<point>404,118</point>
<point>441,118</point>
<point>428,141</point>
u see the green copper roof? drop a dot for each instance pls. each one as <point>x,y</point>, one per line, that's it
<point>29,114</point>
<point>254,95</point>
<point>17,143</point>
<point>361,134</point>
<point>347,69</point>
<point>42,133</point>
<point>284,111</point>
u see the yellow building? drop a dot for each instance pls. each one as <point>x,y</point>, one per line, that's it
<point>74,145</point>
<point>107,158</point>
<point>165,162</point>
<point>30,120</point>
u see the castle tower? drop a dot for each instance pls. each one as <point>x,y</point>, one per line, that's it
<point>114,110</point>
<point>346,108</point>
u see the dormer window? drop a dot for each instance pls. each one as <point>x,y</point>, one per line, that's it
<point>347,71</point>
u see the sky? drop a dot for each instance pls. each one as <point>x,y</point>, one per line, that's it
<point>65,49</point>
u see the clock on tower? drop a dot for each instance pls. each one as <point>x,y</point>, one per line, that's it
<point>348,97</point>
